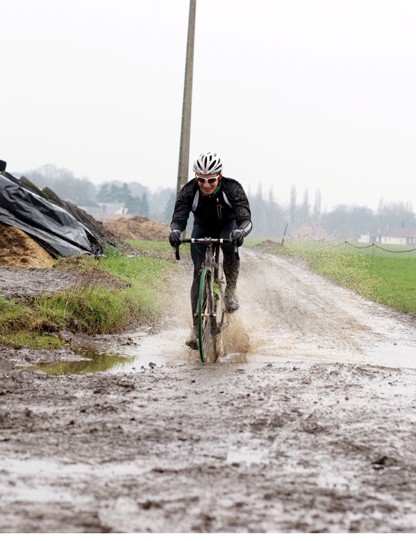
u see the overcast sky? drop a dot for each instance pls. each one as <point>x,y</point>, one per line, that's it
<point>320,94</point>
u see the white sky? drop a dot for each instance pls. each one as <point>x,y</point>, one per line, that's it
<point>320,94</point>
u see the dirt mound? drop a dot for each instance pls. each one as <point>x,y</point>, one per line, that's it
<point>19,250</point>
<point>267,244</point>
<point>106,236</point>
<point>138,228</point>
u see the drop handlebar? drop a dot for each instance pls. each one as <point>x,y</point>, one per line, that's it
<point>205,240</point>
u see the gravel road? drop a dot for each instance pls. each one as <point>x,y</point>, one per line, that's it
<point>308,423</point>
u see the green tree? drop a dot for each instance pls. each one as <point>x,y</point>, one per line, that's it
<point>169,207</point>
<point>292,206</point>
<point>317,208</point>
<point>104,195</point>
<point>144,205</point>
<point>63,182</point>
<point>133,205</point>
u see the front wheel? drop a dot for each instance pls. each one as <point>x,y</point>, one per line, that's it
<point>217,320</point>
<point>204,314</point>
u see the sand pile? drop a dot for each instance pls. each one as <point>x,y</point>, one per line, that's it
<point>19,250</point>
<point>138,228</point>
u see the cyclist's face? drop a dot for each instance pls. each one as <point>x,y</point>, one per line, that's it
<point>208,183</point>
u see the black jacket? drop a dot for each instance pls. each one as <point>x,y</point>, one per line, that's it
<point>228,203</point>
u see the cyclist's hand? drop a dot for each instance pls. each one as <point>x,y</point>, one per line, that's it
<point>175,238</point>
<point>237,237</point>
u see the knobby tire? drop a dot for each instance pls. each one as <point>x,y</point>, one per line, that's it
<point>217,321</point>
<point>204,315</point>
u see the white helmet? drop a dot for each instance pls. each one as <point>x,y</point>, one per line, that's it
<point>208,163</point>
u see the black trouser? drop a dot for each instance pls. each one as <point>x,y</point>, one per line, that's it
<point>231,258</point>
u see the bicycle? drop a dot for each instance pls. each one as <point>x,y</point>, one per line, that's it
<point>211,305</point>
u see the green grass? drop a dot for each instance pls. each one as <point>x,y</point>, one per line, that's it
<point>159,249</point>
<point>151,246</point>
<point>398,282</point>
<point>115,292</point>
<point>386,277</point>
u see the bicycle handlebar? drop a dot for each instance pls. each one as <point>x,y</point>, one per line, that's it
<point>205,240</point>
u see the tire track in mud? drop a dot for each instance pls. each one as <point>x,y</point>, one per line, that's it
<point>290,301</point>
<point>286,309</point>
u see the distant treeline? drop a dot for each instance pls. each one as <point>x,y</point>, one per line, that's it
<point>270,218</point>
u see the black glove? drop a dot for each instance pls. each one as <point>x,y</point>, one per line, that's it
<point>175,238</point>
<point>237,237</point>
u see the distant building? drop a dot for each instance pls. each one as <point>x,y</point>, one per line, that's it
<point>111,211</point>
<point>391,235</point>
<point>93,209</point>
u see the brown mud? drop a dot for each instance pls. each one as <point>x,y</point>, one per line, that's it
<point>307,424</point>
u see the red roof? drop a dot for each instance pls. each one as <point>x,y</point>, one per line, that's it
<point>398,232</point>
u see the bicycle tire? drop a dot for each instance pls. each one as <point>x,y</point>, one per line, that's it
<point>217,321</point>
<point>204,315</point>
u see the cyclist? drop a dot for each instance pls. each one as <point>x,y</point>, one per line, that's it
<point>221,210</point>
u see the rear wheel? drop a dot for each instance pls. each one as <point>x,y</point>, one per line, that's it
<point>204,315</point>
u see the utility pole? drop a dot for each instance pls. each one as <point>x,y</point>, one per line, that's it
<point>187,102</point>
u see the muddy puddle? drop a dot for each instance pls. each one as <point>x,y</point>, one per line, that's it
<point>167,349</point>
<point>151,353</point>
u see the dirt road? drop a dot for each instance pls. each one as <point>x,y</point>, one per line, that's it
<point>307,425</point>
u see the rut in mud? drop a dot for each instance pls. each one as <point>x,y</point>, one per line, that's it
<point>308,424</point>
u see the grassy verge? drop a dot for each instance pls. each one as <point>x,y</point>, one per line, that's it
<point>113,293</point>
<point>384,277</point>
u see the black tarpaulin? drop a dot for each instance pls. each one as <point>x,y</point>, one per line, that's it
<point>50,225</point>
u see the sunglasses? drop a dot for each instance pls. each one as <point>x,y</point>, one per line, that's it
<point>209,180</point>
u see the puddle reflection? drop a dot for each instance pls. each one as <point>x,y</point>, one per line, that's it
<point>93,362</point>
